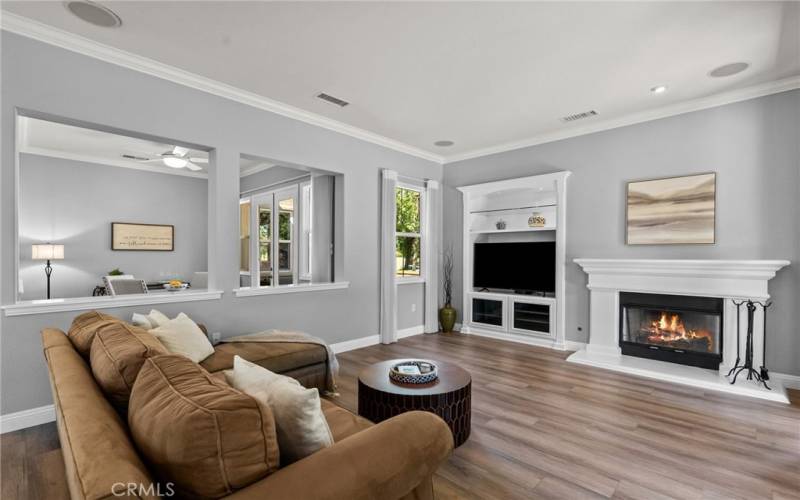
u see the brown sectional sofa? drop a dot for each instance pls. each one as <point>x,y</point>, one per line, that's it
<point>308,363</point>
<point>394,459</point>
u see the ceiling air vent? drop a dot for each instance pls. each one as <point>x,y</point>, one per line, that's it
<point>579,116</point>
<point>332,100</point>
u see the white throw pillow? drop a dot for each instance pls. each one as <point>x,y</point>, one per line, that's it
<point>158,318</point>
<point>301,425</point>
<point>182,336</point>
<point>149,321</point>
<point>143,321</point>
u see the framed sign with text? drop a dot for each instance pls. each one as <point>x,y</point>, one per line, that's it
<point>142,237</point>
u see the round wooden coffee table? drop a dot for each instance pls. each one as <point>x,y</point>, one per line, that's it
<point>449,397</point>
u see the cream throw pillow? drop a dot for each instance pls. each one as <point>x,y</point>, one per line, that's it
<point>301,425</point>
<point>149,321</point>
<point>182,336</point>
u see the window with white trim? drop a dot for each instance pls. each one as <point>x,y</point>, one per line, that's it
<point>306,220</point>
<point>409,231</point>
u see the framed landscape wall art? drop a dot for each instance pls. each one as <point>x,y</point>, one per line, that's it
<point>143,237</point>
<point>670,211</point>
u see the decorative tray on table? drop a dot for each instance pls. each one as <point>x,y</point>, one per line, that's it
<point>175,286</point>
<point>413,371</point>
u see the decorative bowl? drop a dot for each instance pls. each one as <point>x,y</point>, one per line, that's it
<point>414,371</point>
<point>172,288</point>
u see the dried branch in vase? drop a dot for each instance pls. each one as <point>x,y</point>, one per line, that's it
<point>447,275</point>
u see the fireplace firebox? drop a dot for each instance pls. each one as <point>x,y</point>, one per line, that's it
<point>675,328</point>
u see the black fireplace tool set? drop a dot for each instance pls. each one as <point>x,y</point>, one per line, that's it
<point>761,375</point>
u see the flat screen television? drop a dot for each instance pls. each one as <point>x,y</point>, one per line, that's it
<point>527,267</point>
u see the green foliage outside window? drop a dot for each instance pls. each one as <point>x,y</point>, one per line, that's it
<point>408,241</point>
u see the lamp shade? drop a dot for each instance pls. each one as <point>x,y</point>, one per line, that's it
<point>47,252</point>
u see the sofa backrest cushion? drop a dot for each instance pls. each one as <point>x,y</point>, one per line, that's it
<point>197,431</point>
<point>84,327</point>
<point>118,351</point>
<point>98,454</point>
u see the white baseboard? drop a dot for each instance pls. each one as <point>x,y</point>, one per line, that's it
<point>572,345</point>
<point>27,418</point>
<point>788,380</point>
<point>350,345</point>
<point>409,332</point>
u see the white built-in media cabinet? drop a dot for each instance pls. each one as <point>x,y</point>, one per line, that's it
<point>530,319</point>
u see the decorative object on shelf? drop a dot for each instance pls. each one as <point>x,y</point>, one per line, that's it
<point>674,210</point>
<point>501,224</point>
<point>447,314</point>
<point>414,371</point>
<point>752,374</point>
<point>536,220</point>
<point>115,272</point>
<point>175,286</point>
<point>142,237</point>
<point>48,252</point>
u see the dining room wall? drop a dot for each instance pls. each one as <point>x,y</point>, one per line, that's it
<point>73,203</point>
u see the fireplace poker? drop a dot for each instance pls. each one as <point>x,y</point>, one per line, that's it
<point>764,371</point>
<point>748,354</point>
<point>738,316</point>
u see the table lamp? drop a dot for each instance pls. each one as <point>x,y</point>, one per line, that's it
<point>47,252</point>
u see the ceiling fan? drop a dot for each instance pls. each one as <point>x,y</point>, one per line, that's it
<point>178,158</point>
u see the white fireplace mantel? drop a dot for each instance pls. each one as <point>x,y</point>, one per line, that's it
<point>727,279</point>
<point>710,278</point>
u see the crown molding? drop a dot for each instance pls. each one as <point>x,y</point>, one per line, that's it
<point>679,108</point>
<point>29,28</point>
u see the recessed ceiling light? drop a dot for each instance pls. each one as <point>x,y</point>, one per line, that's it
<point>659,89</point>
<point>728,69</point>
<point>443,144</point>
<point>94,13</point>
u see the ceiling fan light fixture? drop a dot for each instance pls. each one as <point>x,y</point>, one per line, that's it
<point>175,162</point>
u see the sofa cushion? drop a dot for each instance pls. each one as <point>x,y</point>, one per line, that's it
<point>300,423</point>
<point>342,422</point>
<point>153,319</point>
<point>205,436</point>
<point>97,451</point>
<point>181,335</point>
<point>117,354</point>
<point>84,326</point>
<point>274,356</point>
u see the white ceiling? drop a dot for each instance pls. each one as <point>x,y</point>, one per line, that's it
<point>59,140</point>
<point>481,74</point>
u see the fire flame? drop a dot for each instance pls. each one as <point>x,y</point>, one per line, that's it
<point>671,329</point>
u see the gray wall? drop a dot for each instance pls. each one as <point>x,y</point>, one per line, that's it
<point>410,296</point>
<point>48,79</point>
<point>751,145</point>
<point>73,203</point>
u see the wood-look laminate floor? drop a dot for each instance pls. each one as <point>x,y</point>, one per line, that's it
<point>545,428</point>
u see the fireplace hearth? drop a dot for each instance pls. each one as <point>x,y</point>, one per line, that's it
<point>675,328</point>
